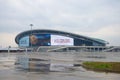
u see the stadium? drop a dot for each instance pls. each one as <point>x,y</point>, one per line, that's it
<point>43,37</point>
<point>57,40</point>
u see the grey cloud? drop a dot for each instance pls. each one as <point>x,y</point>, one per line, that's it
<point>80,14</point>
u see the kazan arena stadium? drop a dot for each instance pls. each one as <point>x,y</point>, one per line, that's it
<point>44,37</point>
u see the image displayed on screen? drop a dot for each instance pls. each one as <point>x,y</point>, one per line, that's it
<point>40,40</point>
<point>24,42</point>
<point>61,40</point>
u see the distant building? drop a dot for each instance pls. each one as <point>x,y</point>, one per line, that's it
<point>44,37</point>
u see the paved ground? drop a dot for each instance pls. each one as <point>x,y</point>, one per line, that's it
<point>8,71</point>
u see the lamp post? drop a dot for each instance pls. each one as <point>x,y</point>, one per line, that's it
<point>31,28</point>
<point>31,25</point>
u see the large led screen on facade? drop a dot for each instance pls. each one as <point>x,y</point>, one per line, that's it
<point>45,40</point>
<point>61,40</point>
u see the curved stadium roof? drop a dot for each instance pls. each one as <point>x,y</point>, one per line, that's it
<point>46,31</point>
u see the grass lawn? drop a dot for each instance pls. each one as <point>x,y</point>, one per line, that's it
<point>103,66</point>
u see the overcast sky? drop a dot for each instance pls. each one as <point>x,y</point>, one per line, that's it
<point>93,18</point>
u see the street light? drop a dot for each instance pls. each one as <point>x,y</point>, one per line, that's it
<point>31,35</point>
<point>31,28</point>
